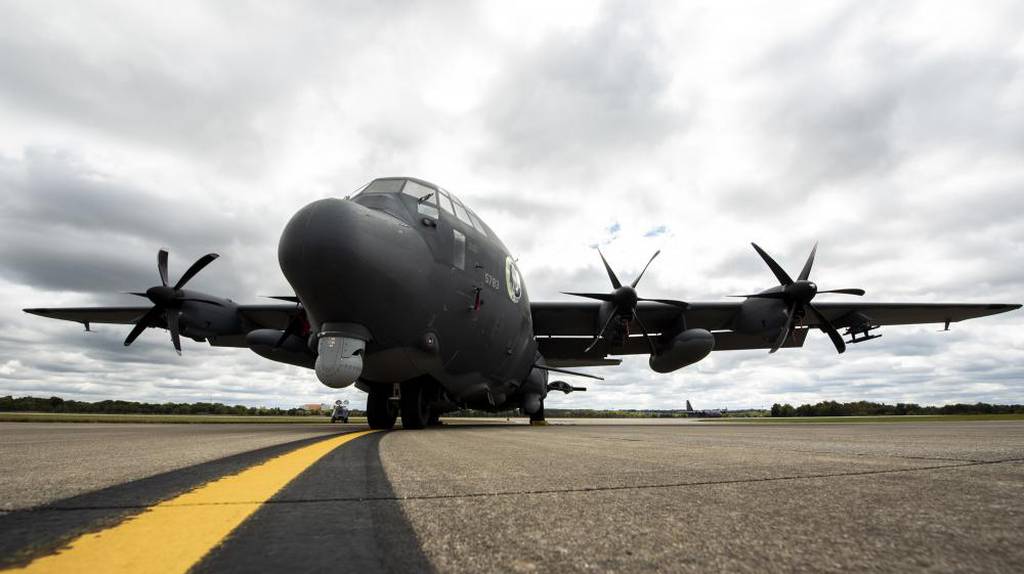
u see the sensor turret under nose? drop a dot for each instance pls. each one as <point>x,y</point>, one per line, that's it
<point>340,361</point>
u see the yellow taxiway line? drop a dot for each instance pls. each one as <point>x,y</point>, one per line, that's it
<point>176,534</point>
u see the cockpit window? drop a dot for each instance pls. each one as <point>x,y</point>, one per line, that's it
<point>446,202</point>
<point>461,213</point>
<point>419,191</point>
<point>479,225</point>
<point>385,186</point>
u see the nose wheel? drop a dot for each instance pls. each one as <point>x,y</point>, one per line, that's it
<point>417,396</point>
<point>381,411</point>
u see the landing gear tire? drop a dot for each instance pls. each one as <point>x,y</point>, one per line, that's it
<point>416,399</point>
<point>434,420</point>
<point>380,410</point>
<point>537,418</point>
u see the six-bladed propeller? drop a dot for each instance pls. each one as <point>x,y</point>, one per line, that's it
<point>797,296</point>
<point>623,300</point>
<point>167,300</point>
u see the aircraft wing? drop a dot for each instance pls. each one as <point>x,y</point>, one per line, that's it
<point>565,329</point>
<point>877,314</point>
<point>273,316</point>
<point>84,315</point>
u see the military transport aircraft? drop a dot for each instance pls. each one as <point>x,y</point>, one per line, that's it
<point>403,291</point>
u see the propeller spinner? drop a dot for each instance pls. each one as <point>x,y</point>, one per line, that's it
<point>167,299</point>
<point>623,300</point>
<point>798,295</point>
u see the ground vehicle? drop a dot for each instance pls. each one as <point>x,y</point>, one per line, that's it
<point>340,412</point>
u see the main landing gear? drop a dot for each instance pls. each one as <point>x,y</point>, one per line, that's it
<point>414,402</point>
<point>537,418</point>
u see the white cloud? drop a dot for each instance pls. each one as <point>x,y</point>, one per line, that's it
<point>891,133</point>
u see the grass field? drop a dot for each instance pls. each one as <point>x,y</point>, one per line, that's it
<point>179,419</point>
<point>876,419</point>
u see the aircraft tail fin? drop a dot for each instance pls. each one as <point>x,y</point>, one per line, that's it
<point>689,407</point>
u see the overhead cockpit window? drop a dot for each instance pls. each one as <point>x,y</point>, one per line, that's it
<point>385,186</point>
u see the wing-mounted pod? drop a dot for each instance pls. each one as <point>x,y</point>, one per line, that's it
<point>686,348</point>
<point>268,344</point>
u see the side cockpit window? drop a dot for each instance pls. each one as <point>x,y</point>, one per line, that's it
<point>421,192</point>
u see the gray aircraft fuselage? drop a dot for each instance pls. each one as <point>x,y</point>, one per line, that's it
<point>432,294</point>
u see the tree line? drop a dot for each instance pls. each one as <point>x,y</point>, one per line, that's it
<point>59,405</point>
<point>867,408</point>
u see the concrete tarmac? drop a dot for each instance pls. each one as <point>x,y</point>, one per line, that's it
<point>877,497</point>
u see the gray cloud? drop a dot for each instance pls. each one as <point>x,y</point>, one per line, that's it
<point>573,102</point>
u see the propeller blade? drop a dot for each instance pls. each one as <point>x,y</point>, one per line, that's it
<point>600,333</point>
<point>608,268</point>
<point>643,329</point>
<point>772,295</point>
<point>806,271</point>
<point>289,298</point>
<point>172,326</point>
<point>598,296</point>
<point>673,302</point>
<point>857,292</point>
<point>136,293</point>
<point>161,265</point>
<point>196,268</point>
<point>785,331</point>
<point>637,280</point>
<point>779,272</point>
<point>294,325</point>
<point>141,324</point>
<point>827,326</point>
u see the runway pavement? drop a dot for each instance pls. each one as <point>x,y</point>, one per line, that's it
<point>889,497</point>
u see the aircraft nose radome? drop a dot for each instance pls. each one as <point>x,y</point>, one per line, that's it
<point>349,263</point>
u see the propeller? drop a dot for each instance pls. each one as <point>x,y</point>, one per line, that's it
<point>798,295</point>
<point>623,300</point>
<point>167,299</point>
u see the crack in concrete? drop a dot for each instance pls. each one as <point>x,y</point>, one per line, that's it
<point>577,490</point>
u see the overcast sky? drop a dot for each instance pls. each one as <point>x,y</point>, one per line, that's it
<point>893,133</point>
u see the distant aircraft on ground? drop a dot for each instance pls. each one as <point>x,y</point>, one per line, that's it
<point>706,414</point>
<point>403,291</point>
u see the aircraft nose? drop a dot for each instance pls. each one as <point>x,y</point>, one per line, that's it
<point>351,264</point>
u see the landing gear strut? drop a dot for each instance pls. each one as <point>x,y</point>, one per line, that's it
<point>381,411</point>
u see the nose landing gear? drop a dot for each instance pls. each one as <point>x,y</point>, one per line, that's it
<point>381,407</point>
<point>414,400</point>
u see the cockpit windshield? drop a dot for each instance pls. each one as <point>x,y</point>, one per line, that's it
<point>428,196</point>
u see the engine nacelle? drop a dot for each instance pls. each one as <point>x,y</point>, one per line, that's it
<point>686,348</point>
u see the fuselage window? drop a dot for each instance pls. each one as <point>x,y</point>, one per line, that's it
<point>459,254</point>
